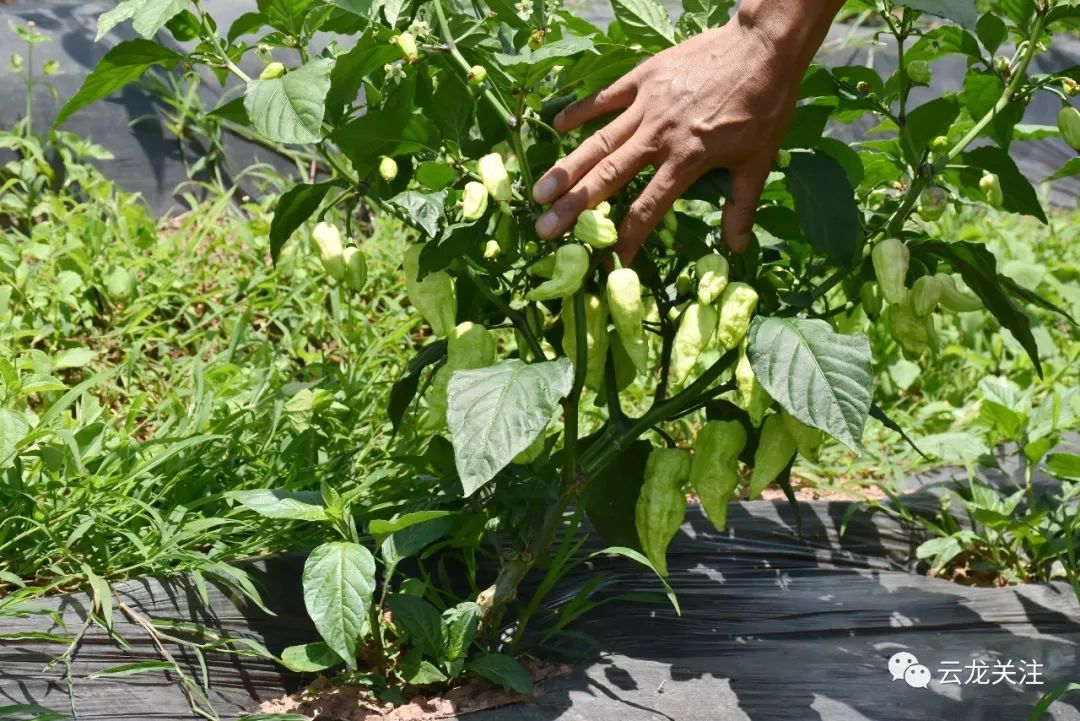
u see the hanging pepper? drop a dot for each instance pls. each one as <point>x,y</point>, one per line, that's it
<point>737,306</point>
<point>956,299</point>
<point>913,332</point>
<point>776,448</point>
<point>494,176</point>
<point>714,472</point>
<point>355,268</point>
<point>624,302</point>
<point>712,273</point>
<point>808,440</point>
<point>990,185</point>
<point>594,228</point>
<point>1069,125</point>
<point>891,259</point>
<point>661,506</point>
<point>407,43</point>
<point>433,296</point>
<point>926,294</point>
<point>474,201</point>
<point>571,265</point>
<point>932,203</point>
<point>534,318</point>
<point>331,251</point>
<point>273,71</point>
<point>695,331</point>
<point>596,337</point>
<point>388,168</point>
<point>753,398</point>
<point>469,346</point>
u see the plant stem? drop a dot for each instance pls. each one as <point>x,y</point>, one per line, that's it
<point>518,319</point>
<point>451,46</point>
<point>211,36</point>
<point>570,434</point>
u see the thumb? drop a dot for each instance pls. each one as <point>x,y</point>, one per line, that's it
<point>747,183</point>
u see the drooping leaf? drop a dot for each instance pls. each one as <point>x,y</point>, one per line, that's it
<point>297,505</point>
<point>147,16</point>
<point>502,670</point>
<point>423,211</point>
<point>496,413</point>
<point>822,378</point>
<point>825,204</point>
<point>290,109</point>
<point>421,621</point>
<point>961,12</point>
<point>293,209</point>
<point>339,581</point>
<point>645,21</point>
<point>310,658</point>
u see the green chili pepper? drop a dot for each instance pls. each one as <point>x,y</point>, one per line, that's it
<point>714,473</point>
<point>388,168</point>
<point>808,440</point>
<point>1069,125</point>
<point>273,71</point>
<point>954,298</point>
<point>433,296</point>
<point>474,201</point>
<point>624,302</point>
<point>753,398</point>
<point>891,259</point>
<point>776,448</point>
<point>990,184</point>
<point>926,294</point>
<point>913,332</point>
<point>594,228</point>
<point>695,332</point>
<point>596,337</point>
<point>355,268</point>
<point>712,273</point>
<point>933,203</point>
<point>737,306</point>
<point>494,176</point>
<point>661,506</point>
<point>331,251</point>
<point>571,265</point>
<point>870,295</point>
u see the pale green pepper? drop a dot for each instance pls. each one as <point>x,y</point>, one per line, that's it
<point>571,265</point>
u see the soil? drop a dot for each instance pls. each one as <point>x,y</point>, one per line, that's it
<point>329,701</point>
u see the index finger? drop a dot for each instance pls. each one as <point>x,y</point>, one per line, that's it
<point>617,96</point>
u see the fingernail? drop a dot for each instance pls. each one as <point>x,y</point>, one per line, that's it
<point>544,190</point>
<point>548,224</point>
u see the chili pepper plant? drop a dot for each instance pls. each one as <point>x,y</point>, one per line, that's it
<point>552,389</point>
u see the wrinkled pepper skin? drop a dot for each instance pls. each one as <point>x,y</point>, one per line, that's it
<point>808,440</point>
<point>752,396</point>
<point>627,310</point>
<point>434,296</point>
<point>596,338</point>
<point>891,259</point>
<point>714,472</point>
<point>737,306</point>
<point>775,450</point>
<point>956,299</point>
<point>661,507</point>
<point>712,272</point>
<point>596,229</point>
<point>469,346</point>
<point>571,265</point>
<point>331,250</point>
<point>926,294</point>
<point>915,334</point>
<point>695,332</point>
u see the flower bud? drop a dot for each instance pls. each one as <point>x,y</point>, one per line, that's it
<point>1071,87</point>
<point>474,201</point>
<point>331,252</point>
<point>388,168</point>
<point>272,71</point>
<point>1002,64</point>
<point>863,87</point>
<point>494,176</point>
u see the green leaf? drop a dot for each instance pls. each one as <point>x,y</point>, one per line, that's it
<point>124,64</point>
<point>502,670</point>
<point>131,669</point>
<point>405,387</point>
<point>310,658</point>
<point>410,541</point>
<point>930,120</point>
<point>290,109</point>
<point>73,358</point>
<point>148,16</point>
<point>1071,168</point>
<point>30,712</point>
<point>641,558</point>
<point>423,211</point>
<point>1064,465</point>
<point>822,378</point>
<point>1020,197</point>
<point>535,63</point>
<point>366,9</point>
<point>961,12</point>
<point>942,41</point>
<point>942,550</point>
<point>379,527</point>
<point>611,496</point>
<point>384,132</point>
<point>13,428</point>
<point>369,54</point>
<point>292,210</point>
<point>461,622</point>
<point>435,175</point>
<point>825,204</point>
<point>644,21</point>
<point>421,621</point>
<point>991,31</point>
<point>496,413</point>
<point>292,505</point>
<point>339,581</point>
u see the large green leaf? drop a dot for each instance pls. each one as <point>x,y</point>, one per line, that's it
<point>423,211</point>
<point>496,413</point>
<point>1019,195</point>
<point>825,204</point>
<point>290,109</point>
<point>961,12</point>
<point>147,16</point>
<point>309,658</point>
<point>277,503</point>
<point>124,64</point>
<point>502,670</point>
<point>819,376</point>
<point>292,210</point>
<point>421,621</point>
<point>339,581</point>
<point>645,21</point>
<point>612,494</point>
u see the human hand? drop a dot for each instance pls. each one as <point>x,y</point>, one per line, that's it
<point>722,99</point>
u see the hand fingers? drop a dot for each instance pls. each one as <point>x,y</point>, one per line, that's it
<point>606,178</point>
<point>568,171</point>
<point>617,96</point>
<point>747,183</point>
<point>645,213</point>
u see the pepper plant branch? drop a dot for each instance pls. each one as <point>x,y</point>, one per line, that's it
<point>215,42</point>
<point>519,320</point>
<point>451,46</point>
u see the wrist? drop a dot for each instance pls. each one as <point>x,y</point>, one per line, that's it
<point>793,30</point>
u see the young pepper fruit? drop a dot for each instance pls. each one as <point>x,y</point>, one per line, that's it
<point>331,251</point>
<point>737,306</point>
<point>752,396</point>
<point>1069,125</point>
<point>474,201</point>
<point>594,228</point>
<point>661,506</point>
<point>355,268</point>
<point>695,332</point>
<point>714,472</point>
<point>434,296</point>
<point>990,184</point>
<point>712,272</point>
<point>469,346</point>
<point>891,259</point>
<point>494,176</point>
<point>596,337</point>
<point>571,265</point>
<point>624,302</point>
<point>776,448</point>
<point>956,299</point>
